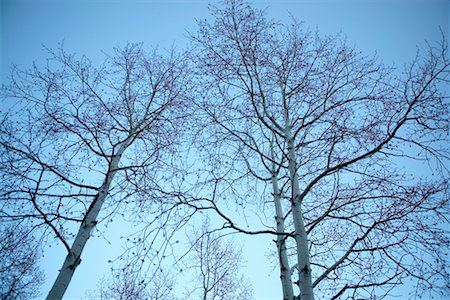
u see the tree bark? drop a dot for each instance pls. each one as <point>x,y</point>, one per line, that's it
<point>285,274</point>
<point>73,258</point>
<point>300,236</point>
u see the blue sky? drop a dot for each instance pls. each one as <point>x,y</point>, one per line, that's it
<point>393,28</point>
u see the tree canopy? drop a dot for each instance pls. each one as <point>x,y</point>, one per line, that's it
<point>266,128</point>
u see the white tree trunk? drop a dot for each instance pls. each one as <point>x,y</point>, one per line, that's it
<point>84,232</point>
<point>285,274</point>
<point>301,239</point>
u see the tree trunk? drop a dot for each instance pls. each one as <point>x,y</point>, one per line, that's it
<point>300,236</point>
<point>285,274</point>
<point>301,240</point>
<point>84,232</point>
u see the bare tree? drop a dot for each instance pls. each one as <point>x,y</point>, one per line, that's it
<point>215,262</point>
<point>127,283</point>
<point>305,130</point>
<point>20,276</point>
<point>325,135</point>
<point>207,269</point>
<point>122,285</point>
<point>82,141</point>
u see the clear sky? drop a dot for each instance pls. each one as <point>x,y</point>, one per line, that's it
<point>393,28</point>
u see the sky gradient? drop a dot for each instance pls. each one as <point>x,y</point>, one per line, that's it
<point>395,29</point>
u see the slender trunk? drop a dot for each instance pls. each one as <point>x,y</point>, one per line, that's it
<point>285,274</point>
<point>300,236</point>
<point>301,239</point>
<point>73,258</point>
